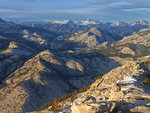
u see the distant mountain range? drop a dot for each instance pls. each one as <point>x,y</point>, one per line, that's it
<point>89,22</point>
<point>69,27</point>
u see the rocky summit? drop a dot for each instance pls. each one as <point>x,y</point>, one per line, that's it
<point>122,90</point>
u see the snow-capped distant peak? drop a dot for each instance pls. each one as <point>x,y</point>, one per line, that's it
<point>140,22</point>
<point>61,21</point>
<point>89,22</point>
<point>119,23</point>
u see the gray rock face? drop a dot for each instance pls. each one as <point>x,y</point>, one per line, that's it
<point>50,75</point>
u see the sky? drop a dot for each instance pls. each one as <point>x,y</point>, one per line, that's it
<point>76,10</point>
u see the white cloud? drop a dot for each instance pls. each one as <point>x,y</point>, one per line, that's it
<point>137,9</point>
<point>105,10</point>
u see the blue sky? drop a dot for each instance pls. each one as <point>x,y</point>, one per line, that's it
<point>101,10</point>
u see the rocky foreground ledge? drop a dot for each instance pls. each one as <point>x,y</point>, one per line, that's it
<point>125,89</point>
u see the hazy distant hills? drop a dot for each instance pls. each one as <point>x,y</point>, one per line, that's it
<point>80,32</point>
<point>62,27</point>
<point>119,28</point>
<point>67,26</point>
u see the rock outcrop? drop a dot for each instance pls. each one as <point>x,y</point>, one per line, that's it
<point>122,90</point>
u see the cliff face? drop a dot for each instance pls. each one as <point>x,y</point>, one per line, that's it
<point>50,75</point>
<point>124,89</point>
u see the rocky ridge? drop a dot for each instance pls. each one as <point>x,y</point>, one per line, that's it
<point>122,90</point>
<point>92,37</point>
<point>48,76</point>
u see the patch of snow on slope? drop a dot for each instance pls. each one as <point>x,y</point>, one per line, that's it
<point>60,22</point>
<point>128,80</point>
<point>88,22</point>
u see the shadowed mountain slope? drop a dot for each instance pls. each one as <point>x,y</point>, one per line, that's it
<point>50,75</point>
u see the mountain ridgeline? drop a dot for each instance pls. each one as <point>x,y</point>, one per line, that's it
<point>43,61</point>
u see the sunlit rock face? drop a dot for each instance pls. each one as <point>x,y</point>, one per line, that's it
<point>124,89</point>
<point>92,37</point>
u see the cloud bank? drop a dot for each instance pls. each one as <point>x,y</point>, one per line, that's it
<point>102,10</point>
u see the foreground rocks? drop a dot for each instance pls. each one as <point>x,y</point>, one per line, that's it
<point>122,90</point>
<point>96,107</point>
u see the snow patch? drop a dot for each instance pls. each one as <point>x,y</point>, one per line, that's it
<point>128,80</point>
<point>60,22</point>
<point>89,22</point>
